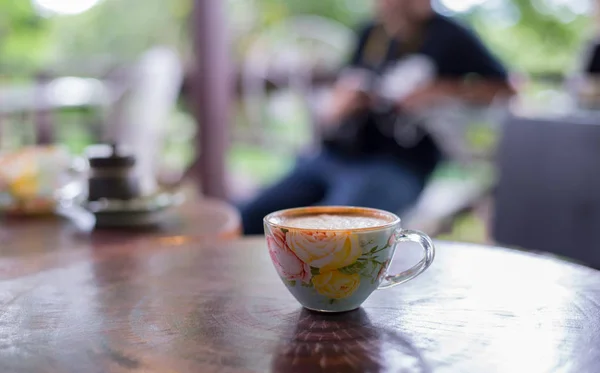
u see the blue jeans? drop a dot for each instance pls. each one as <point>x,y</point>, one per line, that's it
<point>374,181</point>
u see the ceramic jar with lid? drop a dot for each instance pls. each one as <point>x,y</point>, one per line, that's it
<point>112,176</point>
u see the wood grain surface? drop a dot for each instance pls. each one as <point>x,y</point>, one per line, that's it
<point>177,304</point>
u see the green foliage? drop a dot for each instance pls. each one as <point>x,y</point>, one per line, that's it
<point>534,37</point>
<point>121,29</point>
<point>539,37</point>
<point>542,39</point>
<point>274,11</point>
<point>344,11</point>
<point>114,30</point>
<point>355,268</point>
<point>23,37</point>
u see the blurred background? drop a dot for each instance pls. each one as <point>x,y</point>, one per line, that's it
<point>70,74</point>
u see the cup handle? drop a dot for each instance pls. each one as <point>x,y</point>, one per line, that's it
<point>428,256</point>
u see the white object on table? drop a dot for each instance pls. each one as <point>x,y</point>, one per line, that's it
<point>144,110</point>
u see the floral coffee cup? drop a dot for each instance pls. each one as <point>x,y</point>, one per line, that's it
<point>336,270</point>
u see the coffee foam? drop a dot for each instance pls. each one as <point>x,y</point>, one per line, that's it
<point>333,222</point>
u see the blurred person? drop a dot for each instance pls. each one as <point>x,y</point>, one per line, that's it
<point>591,59</point>
<point>586,81</point>
<point>375,154</point>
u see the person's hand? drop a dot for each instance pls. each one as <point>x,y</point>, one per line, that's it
<point>422,99</point>
<point>478,93</point>
<point>344,102</point>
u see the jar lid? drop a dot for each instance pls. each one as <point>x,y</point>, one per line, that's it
<point>110,157</point>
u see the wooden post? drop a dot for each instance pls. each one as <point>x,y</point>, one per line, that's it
<point>42,111</point>
<point>211,94</point>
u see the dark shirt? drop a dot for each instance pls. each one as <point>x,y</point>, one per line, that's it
<point>592,65</point>
<point>455,51</point>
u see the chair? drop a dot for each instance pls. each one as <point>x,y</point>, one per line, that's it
<point>28,111</point>
<point>138,117</point>
<point>467,177</point>
<point>547,196</point>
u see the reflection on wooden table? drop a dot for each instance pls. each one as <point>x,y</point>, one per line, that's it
<point>50,241</point>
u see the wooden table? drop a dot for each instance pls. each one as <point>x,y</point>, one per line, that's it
<point>183,305</point>
<point>196,219</point>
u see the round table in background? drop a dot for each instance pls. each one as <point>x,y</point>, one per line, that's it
<point>184,305</point>
<point>198,219</point>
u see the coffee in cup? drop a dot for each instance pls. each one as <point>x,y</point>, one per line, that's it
<point>332,258</point>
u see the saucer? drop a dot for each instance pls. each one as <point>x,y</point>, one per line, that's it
<point>147,211</point>
<point>144,211</point>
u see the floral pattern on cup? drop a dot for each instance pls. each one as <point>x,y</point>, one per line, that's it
<point>287,264</point>
<point>325,250</point>
<point>333,263</point>
<point>336,285</point>
<point>383,270</point>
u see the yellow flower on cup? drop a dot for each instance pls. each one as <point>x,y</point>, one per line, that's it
<point>335,284</point>
<point>325,250</point>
